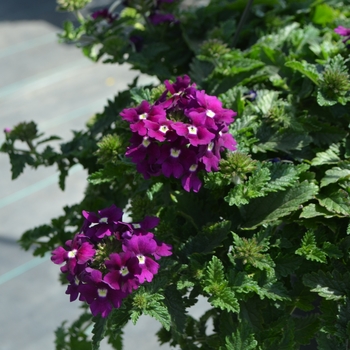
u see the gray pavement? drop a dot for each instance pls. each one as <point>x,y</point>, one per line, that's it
<point>56,86</point>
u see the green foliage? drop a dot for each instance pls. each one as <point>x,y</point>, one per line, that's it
<point>221,295</point>
<point>267,236</point>
<point>98,331</point>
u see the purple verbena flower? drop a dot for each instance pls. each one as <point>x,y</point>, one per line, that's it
<point>80,252</point>
<point>137,116</point>
<point>342,31</point>
<point>104,14</point>
<point>123,270</point>
<point>148,223</point>
<point>190,180</point>
<point>103,224</point>
<point>196,135</point>
<point>99,294</point>
<point>143,246</point>
<point>209,112</point>
<point>7,130</point>
<point>158,18</point>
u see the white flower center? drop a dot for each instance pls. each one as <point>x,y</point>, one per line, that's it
<point>163,129</point>
<point>103,221</point>
<point>76,281</point>
<point>143,116</point>
<point>210,113</point>
<point>141,259</point>
<point>124,270</point>
<point>102,292</point>
<point>146,142</point>
<point>175,152</point>
<point>193,167</point>
<point>192,130</point>
<point>210,146</point>
<point>136,226</point>
<point>72,254</point>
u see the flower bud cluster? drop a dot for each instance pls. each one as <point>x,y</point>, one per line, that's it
<point>183,132</point>
<point>109,258</point>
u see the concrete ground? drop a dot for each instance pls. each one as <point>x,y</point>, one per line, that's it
<point>56,86</point>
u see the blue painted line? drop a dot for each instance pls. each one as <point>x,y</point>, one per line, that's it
<point>76,113</point>
<point>14,197</point>
<point>45,79</point>
<point>29,44</point>
<point>19,270</point>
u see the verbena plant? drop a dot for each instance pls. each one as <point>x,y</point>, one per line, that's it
<point>235,172</point>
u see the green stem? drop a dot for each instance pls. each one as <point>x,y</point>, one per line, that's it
<point>242,21</point>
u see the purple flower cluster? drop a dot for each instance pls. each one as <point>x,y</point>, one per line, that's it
<point>342,31</point>
<point>109,258</point>
<point>181,134</point>
<point>157,16</point>
<point>104,14</point>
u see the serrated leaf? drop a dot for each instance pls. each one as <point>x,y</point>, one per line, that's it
<point>221,295</point>
<point>18,163</point>
<point>98,331</point>
<point>176,308</point>
<point>225,300</point>
<point>323,100</point>
<point>331,286</point>
<point>273,290</point>
<point>305,68</point>
<point>277,205</point>
<point>330,156</point>
<point>287,264</point>
<point>241,339</point>
<point>242,193</point>
<point>208,239</point>
<point>265,100</point>
<point>284,175</point>
<point>135,315</point>
<point>312,210</point>
<point>310,250</point>
<point>335,202</point>
<point>334,175</point>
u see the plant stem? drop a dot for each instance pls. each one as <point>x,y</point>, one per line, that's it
<point>242,21</point>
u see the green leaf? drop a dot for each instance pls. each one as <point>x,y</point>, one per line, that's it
<point>330,156</point>
<point>324,14</point>
<point>312,210</point>
<point>241,339</point>
<point>151,304</point>
<point>331,286</point>
<point>98,331</point>
<point>325,101</point>
<point>140,94</point>
<point>208,239</point>
<point>242,193</point>
<point>335,202</point>
<point>310,250</point>
<point>175,304</point>
<point>277,205</point>
<point>284,175</point>
<point>221,295</point>
<point>335,174</point>
<point>265,100</point>
<point>18,163</point>
<point>305,68</point>
<point>327,341</point>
